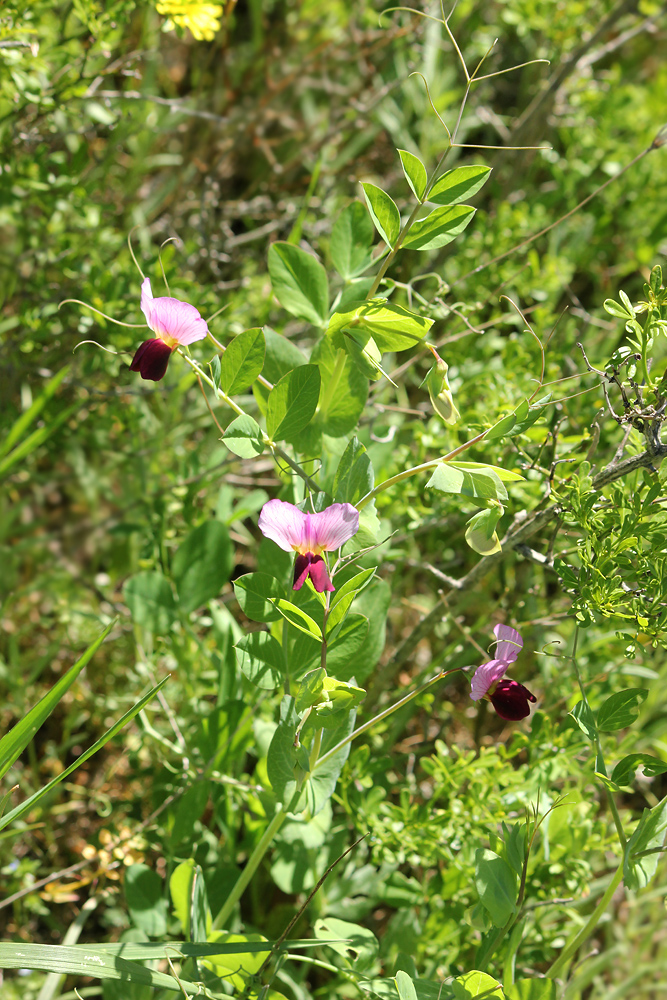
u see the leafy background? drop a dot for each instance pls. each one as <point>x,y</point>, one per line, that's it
<point>264,133</point>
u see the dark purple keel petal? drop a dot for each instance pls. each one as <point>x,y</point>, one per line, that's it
<point>320,575</point>
<point>301,570</point>
<point>510,700</point>
<point>151,359</point>
<point>314,567</point>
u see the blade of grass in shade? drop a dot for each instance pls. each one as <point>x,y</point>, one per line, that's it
<point>111,961</point>
<point>91,962</point>
<point>37,438</point>
<point>14,742</point>
<point>150,950</point>
<point>53,984</point>
<point>21,425</point>
<point>26,806</point>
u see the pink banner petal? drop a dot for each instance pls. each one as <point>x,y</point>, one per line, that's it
<point>334,526</point>
<point>171,318</point>
<point>485,677</point>
<point>284,524</point>
<point>509,643</point>
<point>147,301</point>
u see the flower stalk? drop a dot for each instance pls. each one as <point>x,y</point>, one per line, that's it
<point>555,970</point>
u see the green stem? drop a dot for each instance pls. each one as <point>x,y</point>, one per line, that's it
<point>600,765</point>
<point>318,963</point>
<point>275,448</point>
<point>315,752</point>
<point>645,338</point>
<point>382,715</point>
<point>418,468</point>
<point>394,250</point>
<point>218,391</point>
<point>589,927</point>
<point>323,653</point>
<point>413,215</point>
<point>253,863</point>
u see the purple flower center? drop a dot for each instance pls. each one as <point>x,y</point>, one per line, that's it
<point>510,699</point>
<point>312,566</point>
<point>151,359</point>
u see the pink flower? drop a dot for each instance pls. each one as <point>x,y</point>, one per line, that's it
<point>509,698</point>
<point>310,535</point>
<point>174,323</point>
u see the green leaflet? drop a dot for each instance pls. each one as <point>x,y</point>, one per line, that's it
<point>299,282</point>
<point>384,213</point>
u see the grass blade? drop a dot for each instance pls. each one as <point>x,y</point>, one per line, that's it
<point>14,742</point>
<point>26,806</point>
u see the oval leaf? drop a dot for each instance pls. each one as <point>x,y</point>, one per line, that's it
<point>260,657</point>
<point>344,389</point>
<point>255,592</point>
<point>298,618</point>
<point>457,184</point>
<point>481,531</point>
<point>202,564</point>
<point>351,241</point>
<point>299,282</point>
<point>386,217</point>
<point>621,710</point>
<point>496,884</point>
<point>243,437</point>
<point>415,173</point>
<point>439,228</point>
<point>151,600</point>
<point>292,402</point>
<point>242,362</point>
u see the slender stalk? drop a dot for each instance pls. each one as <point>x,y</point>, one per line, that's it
<point>323,654</point>
<point>315,752</point>
<point>585,932</point>
<point>451,143</point>
<point>297,916</point>
<point>598,746</point>
<point>383,715</point>
<point>394,250</point>
<point>221,395</point>
<point>278,452</point>
<point>252,865</point>
<point>418,468</point>
<point>645,339</point>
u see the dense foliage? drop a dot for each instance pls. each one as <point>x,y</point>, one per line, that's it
<point>427,245</point>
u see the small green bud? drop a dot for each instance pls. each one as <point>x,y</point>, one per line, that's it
<point>438,389</point>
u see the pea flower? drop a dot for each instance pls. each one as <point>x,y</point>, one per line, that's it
<point>309,535</point>
<point>174,324</point>
<point>509,698</point>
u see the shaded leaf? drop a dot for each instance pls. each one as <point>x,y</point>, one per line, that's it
<point>242,362</point>
<point>384,213</point>
<point>299,282</point>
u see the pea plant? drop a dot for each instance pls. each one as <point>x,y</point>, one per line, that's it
<point>275,781</point>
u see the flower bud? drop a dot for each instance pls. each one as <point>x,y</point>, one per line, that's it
<point>438,389</point>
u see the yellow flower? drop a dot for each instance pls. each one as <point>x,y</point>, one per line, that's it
<point>203,19</point>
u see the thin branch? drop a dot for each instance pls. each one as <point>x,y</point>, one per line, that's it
<point>522,528</point>
<point>659,141</point>
<point>539,108</point>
